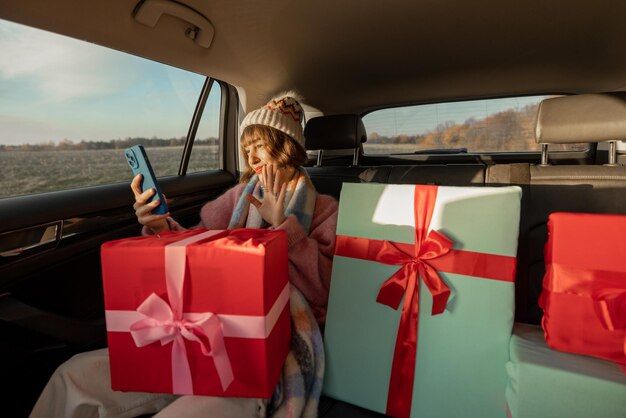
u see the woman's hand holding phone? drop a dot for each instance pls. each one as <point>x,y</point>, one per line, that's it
<point>143,208</point>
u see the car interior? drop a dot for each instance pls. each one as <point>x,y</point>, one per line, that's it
<point>348,60</point>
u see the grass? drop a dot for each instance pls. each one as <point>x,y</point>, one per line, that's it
<point>29,172</point>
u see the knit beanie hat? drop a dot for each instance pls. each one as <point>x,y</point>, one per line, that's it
<point>283,112</point>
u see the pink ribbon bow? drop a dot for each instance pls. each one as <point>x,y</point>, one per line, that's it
<point>160,324</point>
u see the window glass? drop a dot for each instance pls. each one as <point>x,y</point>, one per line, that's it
<point>496,125</point>
<point>68,109</point>
<point>206,146</point>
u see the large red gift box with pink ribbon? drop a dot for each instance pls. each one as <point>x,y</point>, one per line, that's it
<point>198,312</point>
<point>584,288</point>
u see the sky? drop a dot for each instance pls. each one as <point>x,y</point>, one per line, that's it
<point>54,88</point>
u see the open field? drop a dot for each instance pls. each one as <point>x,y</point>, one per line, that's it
<point>28,172</point>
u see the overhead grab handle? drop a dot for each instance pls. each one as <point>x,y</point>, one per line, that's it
<point>148,12</point>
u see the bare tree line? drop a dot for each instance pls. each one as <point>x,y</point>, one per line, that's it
<point>66,145</point>
<point>493,132</point>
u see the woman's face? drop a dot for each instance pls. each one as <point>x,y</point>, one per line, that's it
<point>258,154</point>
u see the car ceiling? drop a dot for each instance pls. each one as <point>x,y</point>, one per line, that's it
<point>356,55</point>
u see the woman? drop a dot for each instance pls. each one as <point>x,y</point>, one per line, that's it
<point>274,192</point>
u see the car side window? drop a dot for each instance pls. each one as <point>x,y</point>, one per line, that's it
<point>477,126</point>
<point>69,108</point>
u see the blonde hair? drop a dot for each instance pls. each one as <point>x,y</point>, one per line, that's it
<point>282,148</point>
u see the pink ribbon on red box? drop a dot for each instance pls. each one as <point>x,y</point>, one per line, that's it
<point>157,321</point>
<point>431,253</point>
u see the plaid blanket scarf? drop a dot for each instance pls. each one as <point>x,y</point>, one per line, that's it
<point>298,391</point>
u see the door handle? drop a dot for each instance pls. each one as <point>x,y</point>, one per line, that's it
<point>149,12</point>
<point>41,237</point>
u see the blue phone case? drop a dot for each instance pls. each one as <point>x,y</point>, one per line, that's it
<point>139,163</point>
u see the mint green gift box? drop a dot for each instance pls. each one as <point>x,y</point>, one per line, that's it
<point>461,353</point>
<point>549,383</point>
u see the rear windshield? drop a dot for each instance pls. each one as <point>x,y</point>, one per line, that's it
<point>477,126</point>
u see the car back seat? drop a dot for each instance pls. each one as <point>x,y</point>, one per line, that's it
<point>560,188</point>
<point>546,188</point>
<point>439,174</point>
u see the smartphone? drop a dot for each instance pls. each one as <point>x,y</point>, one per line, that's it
<point>139,163</point>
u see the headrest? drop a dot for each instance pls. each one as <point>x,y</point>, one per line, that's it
<point>334,132</point>
<point>582,118</point>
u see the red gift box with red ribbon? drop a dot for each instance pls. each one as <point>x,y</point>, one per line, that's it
<point>584,288</point>
<point>197,312</point>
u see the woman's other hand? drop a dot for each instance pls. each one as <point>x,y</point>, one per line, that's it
<point>143,209</point>
<point>272,207</point>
